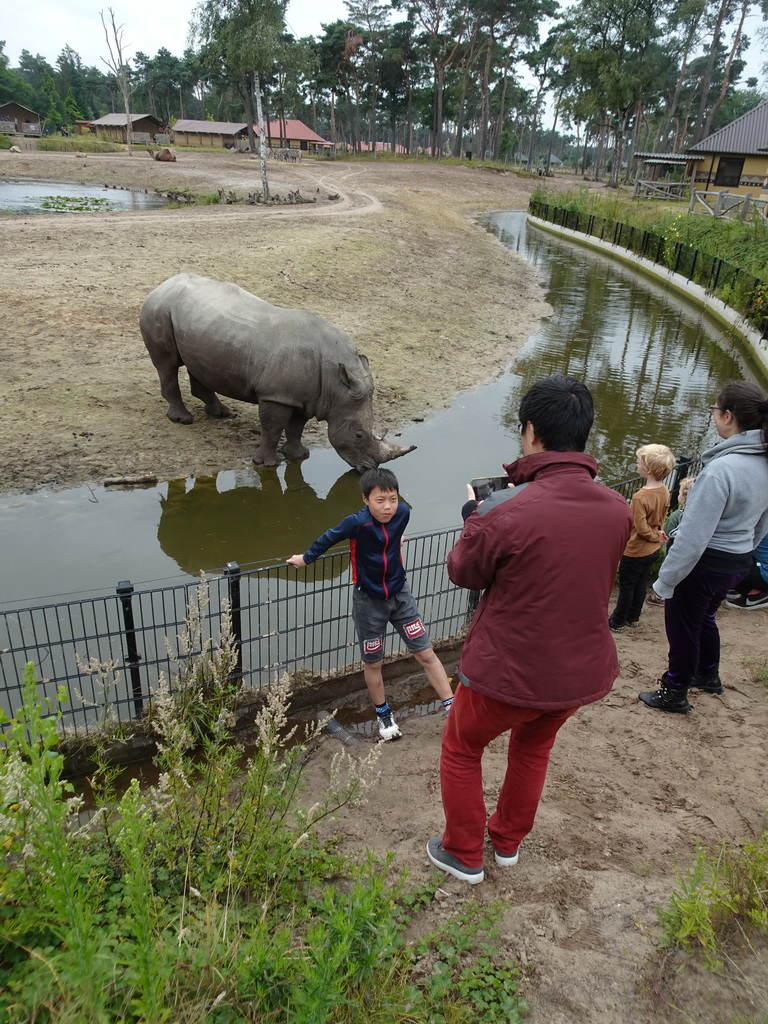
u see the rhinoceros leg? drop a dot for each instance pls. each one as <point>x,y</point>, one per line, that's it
<point>274,418</point>
<point>212,404</point>
<point>169,388</point>
<point>293,448</point>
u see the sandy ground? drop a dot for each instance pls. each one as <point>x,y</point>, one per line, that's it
<point>394,260</point>
<point>397,261</point>
<point>630,795</point>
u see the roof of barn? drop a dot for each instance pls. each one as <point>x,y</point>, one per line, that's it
<point>746,136</point>
<point>119,120</point>
<point>210,127</point>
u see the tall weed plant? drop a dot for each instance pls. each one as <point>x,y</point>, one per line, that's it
<point>725,889</point>
<point>210,895</point>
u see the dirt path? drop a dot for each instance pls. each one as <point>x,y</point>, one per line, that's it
<point>395,261</point>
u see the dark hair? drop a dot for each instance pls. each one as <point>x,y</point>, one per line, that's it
<point>561,412</point>
<point>748,405</point>
<point>383,478</point>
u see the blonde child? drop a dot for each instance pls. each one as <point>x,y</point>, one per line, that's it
<point>650,505</point>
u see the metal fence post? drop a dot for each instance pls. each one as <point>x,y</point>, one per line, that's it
<point>232,572</point>
<point>681,471</point>
<point>678,254</point>
<point>124,592</point>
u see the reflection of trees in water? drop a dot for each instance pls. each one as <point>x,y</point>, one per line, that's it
<point>653,371</point>
<point>258,520</point>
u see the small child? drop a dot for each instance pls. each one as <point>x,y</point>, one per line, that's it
<point>381,593</point>
<point>649,507</point>
<point>671,523</point>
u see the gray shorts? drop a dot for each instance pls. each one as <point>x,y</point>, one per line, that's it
<point>372,614</point>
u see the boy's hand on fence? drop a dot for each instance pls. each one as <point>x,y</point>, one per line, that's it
<point>297,561</point>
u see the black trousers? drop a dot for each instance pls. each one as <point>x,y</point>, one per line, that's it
<point>633,582</point>
<point>754,580</point>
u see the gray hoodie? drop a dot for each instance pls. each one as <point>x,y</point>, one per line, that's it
<point>727,507</point>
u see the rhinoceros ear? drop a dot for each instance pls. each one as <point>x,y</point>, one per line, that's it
<point>366,364</point>
<point>357,388</point>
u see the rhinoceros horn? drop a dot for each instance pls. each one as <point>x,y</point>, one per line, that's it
<point>388,451</point>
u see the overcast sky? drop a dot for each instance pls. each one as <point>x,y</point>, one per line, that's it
<point>47,26</point>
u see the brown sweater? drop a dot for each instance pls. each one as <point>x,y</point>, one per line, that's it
<point>649,508</point>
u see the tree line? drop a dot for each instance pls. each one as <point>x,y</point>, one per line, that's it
<point>442,76</point>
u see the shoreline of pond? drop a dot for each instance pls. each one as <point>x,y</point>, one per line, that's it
<point>727,318</point>
<point>395,262</point>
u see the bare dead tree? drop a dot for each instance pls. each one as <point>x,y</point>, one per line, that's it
<point>113,33</point>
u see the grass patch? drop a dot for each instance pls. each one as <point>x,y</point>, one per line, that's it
<point>76,144</point>
<point>758,669</point>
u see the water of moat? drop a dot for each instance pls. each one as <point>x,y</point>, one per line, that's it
<point>27,196</point>
<point>652,362</point>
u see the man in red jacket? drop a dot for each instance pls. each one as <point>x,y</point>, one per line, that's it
<point>545,553</point>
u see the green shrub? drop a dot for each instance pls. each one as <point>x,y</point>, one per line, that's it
<point>724,888</point>
<point>209,895</point>
<point>5,141</point>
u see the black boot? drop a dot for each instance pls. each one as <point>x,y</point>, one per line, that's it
<point>709,683</point>
<point>667,698</point>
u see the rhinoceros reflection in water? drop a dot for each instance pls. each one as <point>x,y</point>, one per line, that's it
<point>202,528</point>
<point>293,364</point>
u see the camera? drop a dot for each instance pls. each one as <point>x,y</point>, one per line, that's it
<point>486,485</point>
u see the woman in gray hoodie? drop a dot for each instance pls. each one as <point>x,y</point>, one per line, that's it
<point>726,516</point>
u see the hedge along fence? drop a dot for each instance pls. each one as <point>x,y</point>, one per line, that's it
<point>740,290</point>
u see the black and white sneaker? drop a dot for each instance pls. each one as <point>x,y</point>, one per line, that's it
<point>388,727</point>
<point>749,602</point>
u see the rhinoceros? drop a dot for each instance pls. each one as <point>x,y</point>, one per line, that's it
<point>291,363</point>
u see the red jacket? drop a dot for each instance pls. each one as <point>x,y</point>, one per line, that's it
<point>545,553</point>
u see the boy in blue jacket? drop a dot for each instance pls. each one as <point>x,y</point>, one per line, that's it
<point>381,593</point>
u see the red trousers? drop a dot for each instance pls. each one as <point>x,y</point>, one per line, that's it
<point>473,722</point>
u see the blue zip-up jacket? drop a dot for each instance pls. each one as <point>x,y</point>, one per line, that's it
<point>374,550</point>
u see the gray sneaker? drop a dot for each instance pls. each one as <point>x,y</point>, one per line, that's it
<point>447,862</point>
<point>506,860</point>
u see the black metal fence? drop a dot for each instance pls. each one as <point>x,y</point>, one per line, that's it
<point>282,621</point>
<point>743,291</point>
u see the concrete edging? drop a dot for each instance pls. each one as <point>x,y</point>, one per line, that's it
<point>716,308</point>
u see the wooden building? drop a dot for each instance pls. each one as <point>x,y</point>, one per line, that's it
<point>734,157</point>
<point>114,126</point>
<point>209,134</point>
<point>289,133</point>
<point>16,119</point>
<point>282,134</point>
